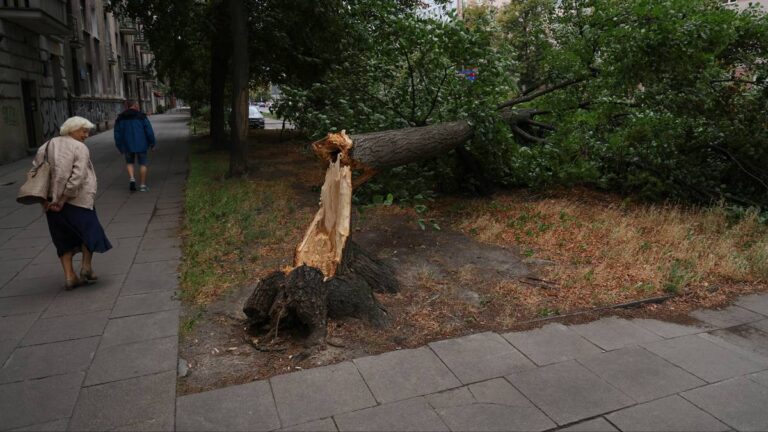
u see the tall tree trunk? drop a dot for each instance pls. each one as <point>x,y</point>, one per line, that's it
<point>220,55</point>
<point>238,157</point>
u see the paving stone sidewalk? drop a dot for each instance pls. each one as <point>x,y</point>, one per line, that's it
<point>102,356</point>
<point>608,375</point>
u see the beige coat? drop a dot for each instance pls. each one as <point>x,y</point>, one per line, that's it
<point>72,172</point>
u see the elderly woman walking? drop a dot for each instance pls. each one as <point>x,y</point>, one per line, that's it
<point>70,211</point>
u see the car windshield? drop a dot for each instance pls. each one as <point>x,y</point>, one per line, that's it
<point>253,112</point>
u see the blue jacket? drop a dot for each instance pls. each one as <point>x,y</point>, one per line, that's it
<point>133,132</point>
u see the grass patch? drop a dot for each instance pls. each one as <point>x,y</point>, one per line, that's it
<point>235,229</point>
<point>609,252</point>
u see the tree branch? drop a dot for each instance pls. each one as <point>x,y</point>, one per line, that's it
<point>733,158</point>
<point>525,135</point>
<point>542,125</point>
<point>541,92</point>
<point>434,100</point>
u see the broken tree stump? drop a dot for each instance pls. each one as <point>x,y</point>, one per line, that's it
<point>332,276</point>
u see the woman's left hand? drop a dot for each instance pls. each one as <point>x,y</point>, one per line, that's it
<point>55,207</point>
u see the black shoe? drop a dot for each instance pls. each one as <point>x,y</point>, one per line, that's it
<point>132,186</point>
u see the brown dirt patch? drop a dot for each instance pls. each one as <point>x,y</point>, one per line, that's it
<point>473,275</point>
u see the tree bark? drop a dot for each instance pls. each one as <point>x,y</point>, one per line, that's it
<point>238,159</point>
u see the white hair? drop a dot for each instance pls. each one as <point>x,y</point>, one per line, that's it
<point>75,123</point>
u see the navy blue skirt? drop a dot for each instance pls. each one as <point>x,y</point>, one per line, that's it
<point>75,226</point>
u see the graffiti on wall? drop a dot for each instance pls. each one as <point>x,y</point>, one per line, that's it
<point>10,115</point>
<point>53,113</point>
<point>100,112</point>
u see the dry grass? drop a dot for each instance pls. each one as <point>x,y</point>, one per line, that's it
<point>607,253</point>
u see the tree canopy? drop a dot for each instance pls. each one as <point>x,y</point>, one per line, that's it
<point>663,98</point>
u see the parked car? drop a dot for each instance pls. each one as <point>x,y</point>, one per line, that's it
<point>255,118</point>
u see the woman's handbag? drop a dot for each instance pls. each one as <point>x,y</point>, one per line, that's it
<point>35,189</point>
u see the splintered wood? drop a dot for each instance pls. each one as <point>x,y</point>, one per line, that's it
<point>323,243</point>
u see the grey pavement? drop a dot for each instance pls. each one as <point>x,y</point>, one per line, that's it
<point>104,357</point>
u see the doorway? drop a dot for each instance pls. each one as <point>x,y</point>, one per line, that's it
<point>29,100</point>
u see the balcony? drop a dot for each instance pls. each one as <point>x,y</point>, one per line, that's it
<point>110,55</point>
<point>131,65</point>
<point>75,33</point>
<point>45,17</point>
<point>140,39</point>
<point>128,27</point>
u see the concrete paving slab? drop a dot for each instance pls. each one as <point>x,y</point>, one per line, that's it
<point>151,243</point>
<point>7,346</point>
<point>500,392</point>
<point>672,413</point>
<point>399,375</point>
<point>760,378</point>
<point>39,401</point>
<point>49,268</point>
<point>145,303</point>
<point>25,215</point>
<point>746,337</point>
<point>52,426</point>
<point>20,242</point>
<point>41,285</point>
<point>669,330</point>
<point>119,362</point>
<point>739,402</point>
<point>247,407</point>
<point>324,425</point>
<point>319,393</point>
<point>132,218</point>
<point>152,268</point>
<point>595,425</point>
<point>46,360</point>
<point>451,398</point>
<point>164,422</point>
<point>613,333</point>
<point>492,417</point>
<point>137,207</point>
<point>153,255</point>
<point>408,415</point>
<point>124,229</point>
<point>118,262</point>
<point>552,343</point>
<point>140,327</point>
<point>145,400</point>
<point>761,325</point>
<point>728,317</point>
<point>6,234</point>
<point>757,303</point>
<point>12,267</point>
<point>705,359</point>
<point>640,374</point>
<point>69,327</point>
<point>480,356</point>
<point>94,297</point>
<point>568,392</point>
<point>141,283</point>
<point>14,327</point>
<point>20,305</point>
<point>27,252</point>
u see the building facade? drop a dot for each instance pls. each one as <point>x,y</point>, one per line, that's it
<point>60,58</point>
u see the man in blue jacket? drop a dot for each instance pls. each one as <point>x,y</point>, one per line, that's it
<point>134,137</point>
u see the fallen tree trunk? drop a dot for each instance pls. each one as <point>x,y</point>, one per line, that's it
<point>331,275</point>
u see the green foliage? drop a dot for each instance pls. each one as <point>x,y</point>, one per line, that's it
<point>666,97</point>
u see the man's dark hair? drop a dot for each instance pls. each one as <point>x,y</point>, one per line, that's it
<point>130,102</point>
